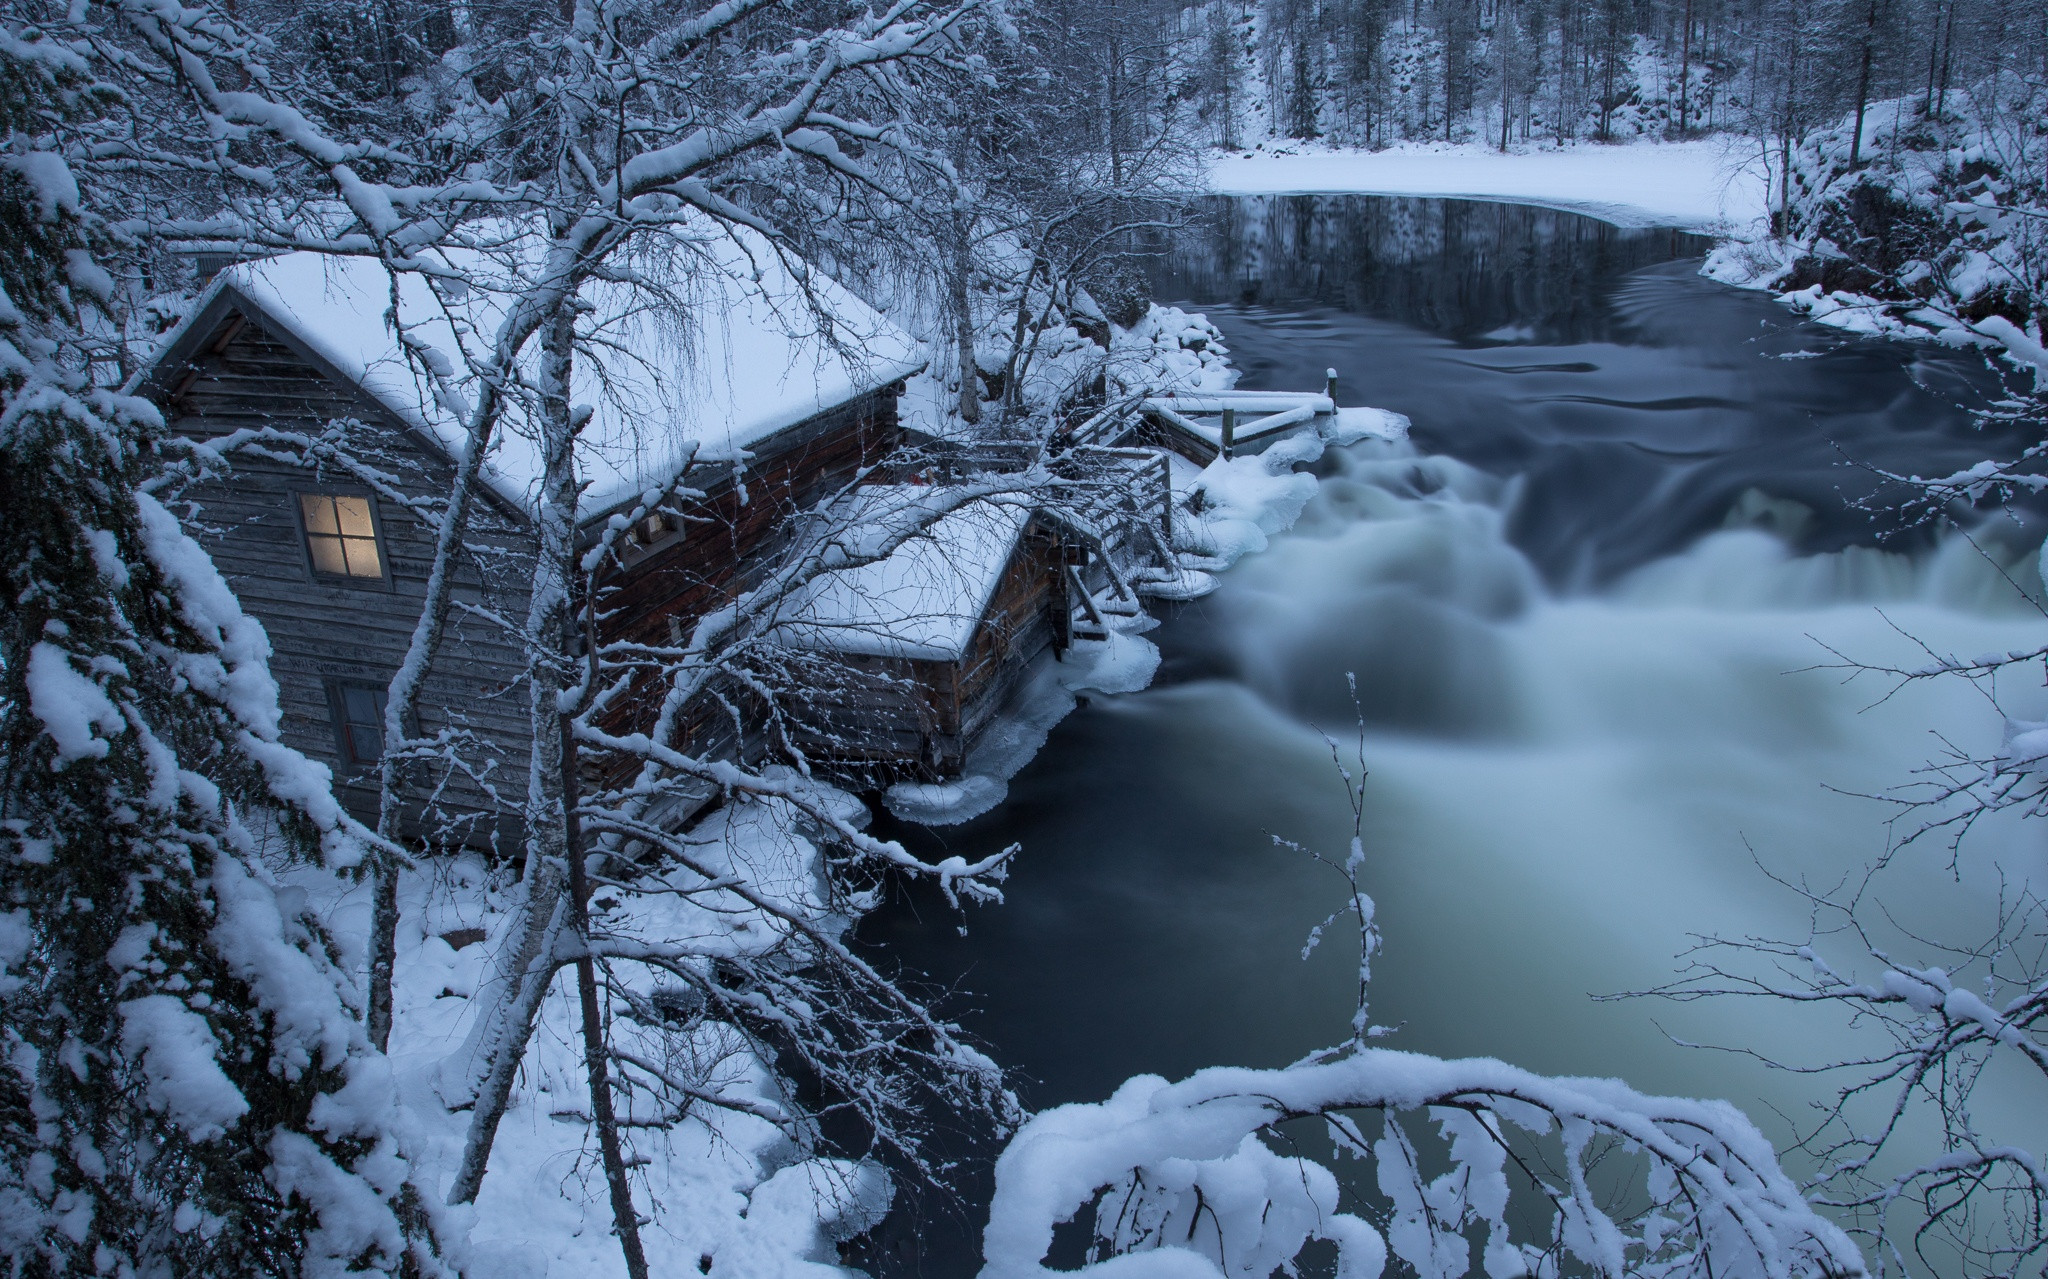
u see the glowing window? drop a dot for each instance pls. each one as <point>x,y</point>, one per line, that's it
<point>341,536</point>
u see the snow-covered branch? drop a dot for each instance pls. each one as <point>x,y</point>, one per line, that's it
<point>1181,1184</point>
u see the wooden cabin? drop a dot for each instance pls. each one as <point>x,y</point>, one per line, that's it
<point>735,409</point>
<point>925,646</point>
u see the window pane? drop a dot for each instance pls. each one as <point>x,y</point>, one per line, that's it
<point>319,512</point>
<point>365,743</point>
<point>363,560</point>
<point>364,705</point>
<point>327,557</point>
<point>360,710</point>
<point>354,515</point>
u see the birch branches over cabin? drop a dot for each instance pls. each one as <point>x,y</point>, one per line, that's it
<point>687,549</point>
<point>518,557</point>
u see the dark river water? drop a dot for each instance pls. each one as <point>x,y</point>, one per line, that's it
<point>1583,606</point>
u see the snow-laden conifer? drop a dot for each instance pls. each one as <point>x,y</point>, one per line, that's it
<point>187,1089</point>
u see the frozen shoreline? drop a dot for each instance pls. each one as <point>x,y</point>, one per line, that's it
<point>1713,186</point>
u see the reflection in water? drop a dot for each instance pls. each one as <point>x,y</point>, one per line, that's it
<point>1466,269</point>
<point>1583,608</point>
<point>1635,401</point>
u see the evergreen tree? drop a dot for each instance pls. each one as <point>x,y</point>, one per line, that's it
<point>186,1088</point>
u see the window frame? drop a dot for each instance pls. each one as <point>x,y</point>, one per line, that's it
<point>337,717</point>
<point>315,575</point>
<point>631,549</point>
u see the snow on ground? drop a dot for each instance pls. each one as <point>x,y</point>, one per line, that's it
<point>1712,185</point>
<point>730,1194</point>
<point>1975,249</point>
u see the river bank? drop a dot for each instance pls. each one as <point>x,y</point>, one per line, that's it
<point>1714,186</point>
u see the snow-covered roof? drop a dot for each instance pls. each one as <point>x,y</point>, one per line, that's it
<point>727,351</point>
<point>924,599</point>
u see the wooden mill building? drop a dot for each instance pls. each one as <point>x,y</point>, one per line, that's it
<point>732,415</point>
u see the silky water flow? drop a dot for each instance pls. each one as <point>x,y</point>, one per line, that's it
<point>1593,609</point>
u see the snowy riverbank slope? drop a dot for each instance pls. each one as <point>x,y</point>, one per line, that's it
<point>1713,185</point>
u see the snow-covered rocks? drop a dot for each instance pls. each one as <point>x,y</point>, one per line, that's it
<point>1235,505</point>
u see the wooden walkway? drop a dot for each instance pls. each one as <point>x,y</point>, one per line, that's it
<point>1204,425</point>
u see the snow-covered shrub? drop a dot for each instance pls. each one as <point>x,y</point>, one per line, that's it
<point>1180,1184</point>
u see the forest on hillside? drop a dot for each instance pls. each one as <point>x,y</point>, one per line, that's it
<point>1380,72</point>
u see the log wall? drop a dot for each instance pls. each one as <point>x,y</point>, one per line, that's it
<point>876,720</point>
<point>322,629</point>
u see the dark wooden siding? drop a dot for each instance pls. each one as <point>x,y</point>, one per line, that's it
<point>321,630</point>
<point>729,541</point>
<point>888,719</point>
<point>878,719</point>
<point>1017,627</point>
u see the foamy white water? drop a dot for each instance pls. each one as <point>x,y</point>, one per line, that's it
<point>1575,787</point>
<point>1582,611</point>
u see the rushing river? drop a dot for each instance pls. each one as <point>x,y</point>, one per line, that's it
<point>1589,608</point>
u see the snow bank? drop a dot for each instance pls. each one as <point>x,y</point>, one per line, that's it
<point>1174,351</point>
<point>730,1194</point>
<point>1709,185</point>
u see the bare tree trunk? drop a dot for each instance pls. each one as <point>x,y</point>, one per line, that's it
<point>1500,19</point>
<point>961,303</point>
<point>1112,95</point>
<point>1948,49</point>
<point>1013,391</point>
<point>1933,63</point>
<point>1863,85</point>
<point>527,967</point>
<point>401,704</point>
<point>1784,218</point>
<point>384,871</point>
<point>1610,56</point>
<point>625,1217</point>
<point>1684,67</point>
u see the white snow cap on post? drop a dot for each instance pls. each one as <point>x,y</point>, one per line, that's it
<point>719,345</point>
<point>1188,1191</point>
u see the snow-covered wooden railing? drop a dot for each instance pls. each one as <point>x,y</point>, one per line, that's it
<point>1141,495</point>
<point>1228,420</point>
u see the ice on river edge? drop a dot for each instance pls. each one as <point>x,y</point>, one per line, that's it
<point>1242,502</point>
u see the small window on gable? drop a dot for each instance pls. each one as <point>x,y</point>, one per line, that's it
<point>358,711</point>
<point>341,536</point>
<point>650,533</point>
